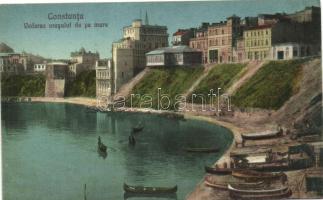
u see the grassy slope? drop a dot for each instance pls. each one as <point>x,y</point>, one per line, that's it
<point>84,85</point>
<point>23,85</point>
<point>222,76</point>
<point>172,81</point>
<point>271,86</point>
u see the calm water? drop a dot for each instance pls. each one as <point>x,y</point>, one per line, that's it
<point>50,152</point>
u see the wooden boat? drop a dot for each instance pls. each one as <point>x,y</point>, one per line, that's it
<point>202,150</point>
<point>250,191</point>
<point>260,135</point>
<point>137,129</point>
<point>255,175</point>
<point>128,195</point>
<point>224,185</point>
<point>218,171</point>
<point>149,190</point>
<point>279,195</point>
<point>102,147</point>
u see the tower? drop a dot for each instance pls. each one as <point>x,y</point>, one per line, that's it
<point>146,19</point>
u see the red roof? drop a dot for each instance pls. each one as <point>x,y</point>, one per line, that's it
<point>179,33</point>
<point>259,27</point>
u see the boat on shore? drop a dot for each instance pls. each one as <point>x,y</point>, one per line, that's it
<point>202,150</point>
<point>149,190</point>
<point>261,135</point>
<point>238,192</point>
<point>256,175</point>
<point>218,171</point>
<point>224,185</point>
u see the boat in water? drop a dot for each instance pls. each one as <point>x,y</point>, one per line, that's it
<point>149,190</point>
<point>129,195</point>
<point>202,150</point>
<point>138,128</point>
<point>101,147</point>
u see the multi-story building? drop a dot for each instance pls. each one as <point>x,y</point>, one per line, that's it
<point>13,63</point>
<point>183,36</point>
<point>200,41</point>
<point>221,38</point>
<point>239,51</point>
<point>82,61</point>
<point>128,54</point>
<point>104,78</point>
<point>259,39</point>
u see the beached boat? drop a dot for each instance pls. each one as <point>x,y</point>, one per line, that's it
<point>260,135</point>
<point>224,185</point>
<point>255,175</point>
<point>238,192</point>
<point>149,190</point>
<point>218,171</point>
<point>202,150</point>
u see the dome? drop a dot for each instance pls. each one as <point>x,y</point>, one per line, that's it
<point>5,48</point>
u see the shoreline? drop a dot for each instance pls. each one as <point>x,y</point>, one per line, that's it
<point>92,102</point>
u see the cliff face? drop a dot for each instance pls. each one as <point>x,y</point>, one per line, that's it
<point>303,111</point>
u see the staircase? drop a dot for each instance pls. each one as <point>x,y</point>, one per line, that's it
<point>125,89</point>
<point>250,70</point>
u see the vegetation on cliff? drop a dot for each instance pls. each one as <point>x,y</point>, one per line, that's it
<point>221,76</point>
<point>271,86</point>
<point>23,85</point>
<point>172,81</point>
<point>84,85</point>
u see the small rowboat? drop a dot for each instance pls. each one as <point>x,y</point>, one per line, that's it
<point>252,174</point>
<point>218,171</point>
<point>202,150</point>
<point>149,190</point>
<point>137,129</point>
<point>102,147</point>
<point>128,195</point>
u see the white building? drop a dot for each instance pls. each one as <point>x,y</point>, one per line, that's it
<point>287,51</point>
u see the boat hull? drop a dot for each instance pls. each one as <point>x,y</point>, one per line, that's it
<point>218,171</point>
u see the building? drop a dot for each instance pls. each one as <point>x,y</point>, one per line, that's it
<point>13,63</point>
<point>81,61</point>
<point>309,14</point>
<point>55,79</point>
<point>128,54</point>
<point>104,78</point>
<point>259,39</point>
<point>239,51</point>
<point>174,56</point>
<point>222,38</point>
<point>183,36</point>
<point>40,68</point>
<point>287,51</point>
<point>200,41</point>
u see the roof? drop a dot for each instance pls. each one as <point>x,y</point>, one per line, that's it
<point>259,27</point>
<point>173,49</point>
<point>179,32</point>
<point>57,63</point>
<point>8,54</point>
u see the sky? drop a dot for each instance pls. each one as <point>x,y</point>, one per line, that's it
<point>54,43</point>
